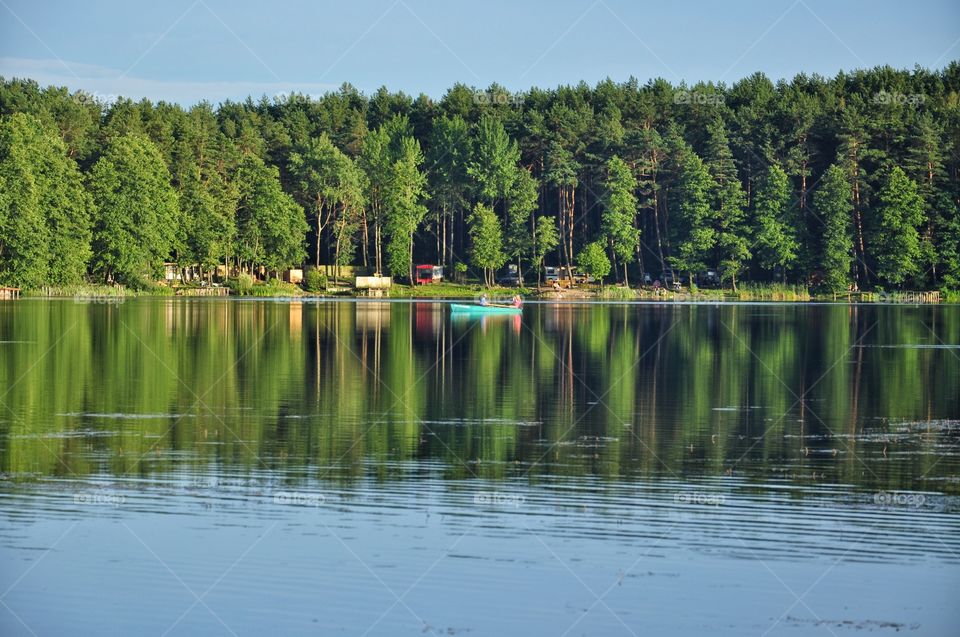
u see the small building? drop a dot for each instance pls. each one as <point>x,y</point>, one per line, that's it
<point>293,275</point>
<point>172,272</point>
<point>373,285</point>
<point>8,294</point>
<point>428,274</point>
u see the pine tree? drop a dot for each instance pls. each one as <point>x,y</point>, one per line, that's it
<point>448,156</point>
<point>328,185</point>
<point>619,212</point>
<point>521,202</point>
<point>405,189</point>
<point>653,152</point>
<point>730,202</point>
<point>272,227</point>
<point>925,165</point>
<point>774,237</point>
<point>896,240</point>
<point>852,152</point>
<point>202,167</point>
<point>493,163</point>
<point>561,172</point>
<point>376,162</point>
<point>832,204</point>
<point>693,217</point>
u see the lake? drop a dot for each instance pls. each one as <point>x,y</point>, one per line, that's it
<point>249,467</point>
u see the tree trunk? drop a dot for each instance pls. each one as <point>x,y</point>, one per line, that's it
<point>803,185</point>
<point>366,241</point>
<point>336,261</point>
<point>616,266</point>
<point>858,219</point>
<point>570,212</point>
<point>410,261</point>
<point>656,223</point>
<point>376,247</point>
<point>443,247</point>
<point>319,229</point>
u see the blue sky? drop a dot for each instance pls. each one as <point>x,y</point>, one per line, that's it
<point>186,50</point>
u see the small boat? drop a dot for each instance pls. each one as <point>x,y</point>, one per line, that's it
<point>491,308</point>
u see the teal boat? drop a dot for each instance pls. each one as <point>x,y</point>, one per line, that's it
<point>460,308</point>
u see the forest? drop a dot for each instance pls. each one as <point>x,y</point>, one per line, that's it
<point>832,183</point>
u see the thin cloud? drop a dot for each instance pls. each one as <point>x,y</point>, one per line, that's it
<point>106,84</point>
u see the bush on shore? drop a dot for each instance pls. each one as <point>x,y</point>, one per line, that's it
<point>314,281</point>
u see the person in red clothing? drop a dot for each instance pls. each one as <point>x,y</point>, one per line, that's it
<point>517,301</point>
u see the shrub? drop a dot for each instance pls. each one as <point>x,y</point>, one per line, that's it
<point>617,293</point>
<point>275,287</point>
<point>242,284</point>
<point>314,281</point>
<point>593,260</point>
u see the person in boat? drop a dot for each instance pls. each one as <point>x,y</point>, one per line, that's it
<point>517,301</point>
<point>483,300</point>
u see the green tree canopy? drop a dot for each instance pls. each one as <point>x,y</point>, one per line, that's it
<point>696,235</point>
<point>405,189</point>
<point>619,212</point>
<point>831,203</point>
<point>774,235</point>
<point>137,211</point>
<point>271,226</point>
<point>486,242</point>
<point>896,241</point>
<point>45,213</point>
<point>593,260</point>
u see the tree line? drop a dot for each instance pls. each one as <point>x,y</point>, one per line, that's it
<point>833,182</point>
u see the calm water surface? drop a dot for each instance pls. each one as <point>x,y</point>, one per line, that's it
<point>193,466</point>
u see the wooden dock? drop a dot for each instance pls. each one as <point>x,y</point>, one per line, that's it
<point>898,297</point>
<point>204,291</point>
<point>9,294</point>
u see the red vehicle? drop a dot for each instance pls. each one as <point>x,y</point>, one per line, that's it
<point>428,274</point>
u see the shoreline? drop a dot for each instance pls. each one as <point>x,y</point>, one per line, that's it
<point>543,297</point>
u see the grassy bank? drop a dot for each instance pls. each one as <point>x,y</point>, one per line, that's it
<point>247,286</point>
<point>950,296</point>
<point>772,292</point>
<point>617,293</point>
<point>96,291</point>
